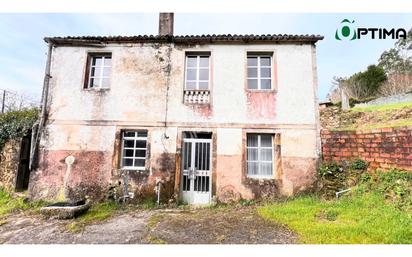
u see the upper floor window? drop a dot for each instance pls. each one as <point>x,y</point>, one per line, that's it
<point>197,71</point>
<point>134,147</point>
<point>259,155</point>
<point>98,70</point>
<point>259,71</point>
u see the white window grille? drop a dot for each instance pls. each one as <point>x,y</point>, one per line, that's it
<point>259,155</point>
<point>134,148</point>
<point>99,70</point>
<point>259,72</point>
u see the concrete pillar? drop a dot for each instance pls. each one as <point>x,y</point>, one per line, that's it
<point>345,99</point>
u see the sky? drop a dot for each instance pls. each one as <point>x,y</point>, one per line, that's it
<point>23,51</point>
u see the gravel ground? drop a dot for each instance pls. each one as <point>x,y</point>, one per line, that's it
<point>227,225</point>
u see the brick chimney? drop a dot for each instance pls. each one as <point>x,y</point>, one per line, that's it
<point>166,24</point>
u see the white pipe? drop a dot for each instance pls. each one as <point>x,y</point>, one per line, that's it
<point>43,110</point>
<point>158,192</point>
<point>341,192</point>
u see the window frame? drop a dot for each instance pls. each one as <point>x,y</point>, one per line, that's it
<point>87,81</point>
<point>198,55</point>
<point>258,77</point>
<point>134,148</point>
<point>258,161</point>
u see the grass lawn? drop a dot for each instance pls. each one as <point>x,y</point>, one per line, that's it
<point>387,124</point>
<point>384,107</point>
<point>362,219</point>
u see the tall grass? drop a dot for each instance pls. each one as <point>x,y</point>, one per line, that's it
<point>10,204</point>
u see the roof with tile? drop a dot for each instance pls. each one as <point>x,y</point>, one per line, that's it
<point>188,39</point>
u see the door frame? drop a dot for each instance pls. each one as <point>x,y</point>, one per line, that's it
<point>179,159</point>
<point>193,194</point>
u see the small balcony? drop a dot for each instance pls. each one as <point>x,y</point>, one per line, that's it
<point>196,96</point>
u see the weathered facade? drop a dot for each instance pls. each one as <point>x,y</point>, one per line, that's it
<point>149,92</point>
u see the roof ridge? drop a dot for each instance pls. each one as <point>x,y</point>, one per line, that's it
<point>187,38</point>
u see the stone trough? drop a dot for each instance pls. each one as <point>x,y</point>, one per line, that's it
<point>65,210</point>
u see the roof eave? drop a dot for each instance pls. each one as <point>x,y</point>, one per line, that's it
<point>209,39</point>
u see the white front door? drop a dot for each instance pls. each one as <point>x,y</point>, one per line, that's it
<point>196,182</point>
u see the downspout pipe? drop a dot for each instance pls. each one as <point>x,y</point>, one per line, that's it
<point>43,111</point>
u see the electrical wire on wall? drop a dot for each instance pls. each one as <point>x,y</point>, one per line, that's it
<point>167,69</point>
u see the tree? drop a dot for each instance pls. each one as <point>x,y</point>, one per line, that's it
<point>14,101</point>
<point>396,83</point>
<point>399,58</point>
<point>371,79</point>
<point>334,91</point>
<point>364,84</point>
<point>397,63</point>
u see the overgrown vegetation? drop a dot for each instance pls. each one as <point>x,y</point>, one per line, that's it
<point>10,204</point>
<point>97,213</point>
<point>364,118</point>
<point>334,177</point>
<point>16,124</point>
<point>154,220</point>
<point>378,210</point>
<point>395,186</point>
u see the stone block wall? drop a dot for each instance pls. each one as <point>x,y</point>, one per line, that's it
<point>383,148</point>
<point>9,163</point>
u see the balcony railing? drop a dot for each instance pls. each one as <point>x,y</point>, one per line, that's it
<point>197,96</point>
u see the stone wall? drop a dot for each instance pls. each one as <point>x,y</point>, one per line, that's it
<point>382,148</point>
<point>393,99</point>
<point>9,162</point>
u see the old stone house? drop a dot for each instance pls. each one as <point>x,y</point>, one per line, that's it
<point>210,116</point>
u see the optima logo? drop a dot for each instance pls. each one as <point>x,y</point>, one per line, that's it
<point>347,31</point>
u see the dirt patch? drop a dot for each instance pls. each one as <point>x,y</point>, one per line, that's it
<point>224,225</point>
<point>124,229</point>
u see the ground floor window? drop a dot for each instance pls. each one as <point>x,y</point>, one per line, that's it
<point>134,147</point>
<point>259,155</point>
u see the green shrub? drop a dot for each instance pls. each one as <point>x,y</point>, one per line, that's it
<point>359,164</point>
<point>396,186</point>
<point>330,169</point>
<point>335,177</point>
<point>16,124</point>
<point>246,202</point>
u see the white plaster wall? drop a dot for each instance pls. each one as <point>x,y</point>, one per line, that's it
<point>137,96</point>
<point>79,137</point>
<point>298,143</point>
<point>229,141</point>
<point>138,85</point>
<point>159,144</point>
